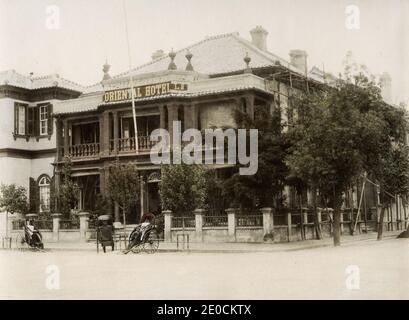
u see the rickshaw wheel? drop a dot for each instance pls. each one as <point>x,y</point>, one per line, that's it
<point>137,248</point>
<point>21,241</point>
<point>151,244</point>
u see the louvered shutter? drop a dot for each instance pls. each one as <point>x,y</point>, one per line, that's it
<point>25,118</point>
<point>34,196</point>
<point>16,118</point>
<point>50,119</point>
<point>30,121</point>
<point>53,200</point>
<point>36,122</point>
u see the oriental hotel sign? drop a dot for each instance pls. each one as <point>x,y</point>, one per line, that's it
<point>150,90</point>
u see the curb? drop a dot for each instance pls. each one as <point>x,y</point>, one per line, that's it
<point>349,242</point>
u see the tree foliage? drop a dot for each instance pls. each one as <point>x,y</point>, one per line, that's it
<point>182,188</point>
<point>68,195</point>
<point>344,132</point>
<point>13,199</point>
<point>263,188</point>
<point>124,185</point>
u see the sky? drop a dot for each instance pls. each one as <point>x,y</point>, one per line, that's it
<point>87,32</point>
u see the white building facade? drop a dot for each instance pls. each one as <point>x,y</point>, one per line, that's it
<point>27,133</point>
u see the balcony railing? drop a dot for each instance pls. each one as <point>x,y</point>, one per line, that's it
<point>129,144</point>
<point>124,145</point>
<point>84,150</point>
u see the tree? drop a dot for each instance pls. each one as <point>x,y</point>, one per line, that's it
<point>393,178</point>
<point>386,157</point>
<point>68,193</point>
<point>334,136</point>
<point>124,185</point>
<point>182,188</point>
<point>13,199</point>
<point>263,188</point>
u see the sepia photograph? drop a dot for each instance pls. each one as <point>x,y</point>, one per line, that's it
<point>204,150</point>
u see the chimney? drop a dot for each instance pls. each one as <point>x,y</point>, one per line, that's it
<point>386,87</point>
<point>158,54</point>
<point>259,37</point>
<point>298,59</point>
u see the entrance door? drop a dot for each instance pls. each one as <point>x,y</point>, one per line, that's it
<point>154,198</point>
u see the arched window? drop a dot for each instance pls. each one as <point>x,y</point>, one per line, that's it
<point>44,190</point>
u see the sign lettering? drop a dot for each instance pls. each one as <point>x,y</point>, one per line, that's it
<point>150,90</point>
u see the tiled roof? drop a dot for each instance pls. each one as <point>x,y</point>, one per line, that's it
<point>214,55</point>
<point>218,55</point>
<point>221,54</point>
<point>83,104</point>
<point>13,78</point>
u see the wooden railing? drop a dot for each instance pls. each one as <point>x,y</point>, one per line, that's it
<point>84,150</point>
<point>129,144</point>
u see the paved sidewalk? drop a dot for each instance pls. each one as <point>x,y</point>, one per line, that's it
<point>234,247</point>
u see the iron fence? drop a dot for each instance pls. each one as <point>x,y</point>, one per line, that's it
<point>44,224</point>
<point>18,224</point>
<point>215,221</point>
<point>249,220</point>
<point>183,222</point>
<point>68,224</point>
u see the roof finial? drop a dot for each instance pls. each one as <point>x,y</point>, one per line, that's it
<point>247,60</point>
<point>105,69</point>
<point>189,56</point>
<point>172,65</point>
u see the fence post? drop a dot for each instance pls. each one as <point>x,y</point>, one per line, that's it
<point>199,214</point>
<point>268,224</point>
<point>305,215</point>
<point>289,225</point>
<point>56,225</point>
<point>168,224</point>
<point>83,224</point>
<point>319,217</point>
<point>231,222</point>
<point>341,221</point>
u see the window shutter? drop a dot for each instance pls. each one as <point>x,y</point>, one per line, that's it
<point>26,119</point>
<point>16,118</point>
<point>30,121</point>
<point>50,119</point>
<point>36,116</point>
<point>34,196</point>
<point>53,204</point>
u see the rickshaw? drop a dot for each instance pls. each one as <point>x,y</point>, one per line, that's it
<point>105,231</point>
<point>143,238</point>
<point>32,237</point>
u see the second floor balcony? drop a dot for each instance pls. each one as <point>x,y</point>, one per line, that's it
<point>131,144</point>
<point>95,139</point>
<point>117,146</point>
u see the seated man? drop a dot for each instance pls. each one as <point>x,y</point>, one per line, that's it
<point>139,231</point>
